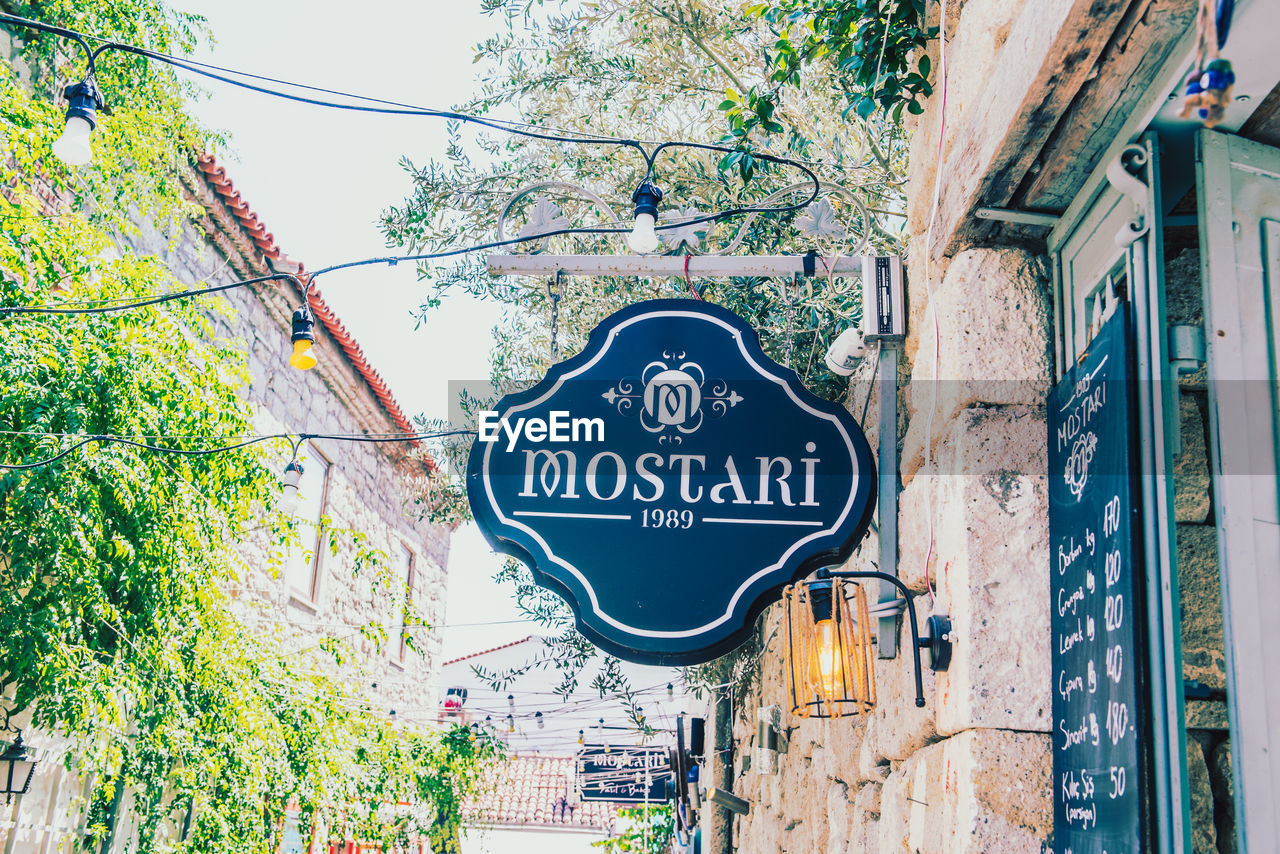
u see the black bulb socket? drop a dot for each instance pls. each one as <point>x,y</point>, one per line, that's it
<point>647,196</point>
<point>83,102</point>
<point>304,325</point>
<point>820,593</point>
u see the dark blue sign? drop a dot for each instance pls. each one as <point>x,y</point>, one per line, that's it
<point>669,480</point>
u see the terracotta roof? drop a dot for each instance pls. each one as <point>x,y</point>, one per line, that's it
<point>216,177</point>
<point>536,791</point>
<point>491,649</point>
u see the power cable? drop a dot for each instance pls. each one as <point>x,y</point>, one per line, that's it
<point>297,438</point>
<point>393,108</point>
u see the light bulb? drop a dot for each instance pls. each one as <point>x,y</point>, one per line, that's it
<point>73,147</point>
<point>582,737</point>
<point>542,724</point>
<point>643,239</point>
<point>827,676</point>
<point>288,503</point>
<point>303,337</point>
<point>302,359</point>
<point>83,103</point>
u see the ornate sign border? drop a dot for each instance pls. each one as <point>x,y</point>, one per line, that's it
<point>521,541</point>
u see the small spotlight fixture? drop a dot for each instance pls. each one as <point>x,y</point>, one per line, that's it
<point>643,240</point>
<point>304,337</point>
<point>83,102</point>
<point>288,503</point>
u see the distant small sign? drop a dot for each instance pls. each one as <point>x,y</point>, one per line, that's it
<point>619,774</point>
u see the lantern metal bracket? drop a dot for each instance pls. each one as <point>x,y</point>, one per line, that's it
<point>938,641</point>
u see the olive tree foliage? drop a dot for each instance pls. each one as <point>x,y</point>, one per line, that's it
<point>117,633</point>
<point>654,71</point>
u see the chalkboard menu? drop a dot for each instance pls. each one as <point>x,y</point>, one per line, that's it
<point>1099,750</point>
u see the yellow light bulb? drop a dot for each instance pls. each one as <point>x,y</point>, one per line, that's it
<point>827,666</point>
<point>302,359</point>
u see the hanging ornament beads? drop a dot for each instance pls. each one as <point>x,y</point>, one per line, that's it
<point>1209,92</point>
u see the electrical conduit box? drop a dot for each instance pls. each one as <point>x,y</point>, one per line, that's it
<point>883,315</point>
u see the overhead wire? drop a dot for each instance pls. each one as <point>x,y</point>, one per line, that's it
<point>385,107</point>
<point>296,438</point>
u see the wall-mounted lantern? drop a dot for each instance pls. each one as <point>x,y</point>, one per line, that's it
<point>17,768</point>
<point>830,663</point>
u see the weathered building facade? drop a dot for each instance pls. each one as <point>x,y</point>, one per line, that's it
<point>1052,185</point>
<point>304,591</point>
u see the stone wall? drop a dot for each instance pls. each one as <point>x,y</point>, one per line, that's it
<point>971,771</point>
<point>369,489</point>
<point>370,492</point>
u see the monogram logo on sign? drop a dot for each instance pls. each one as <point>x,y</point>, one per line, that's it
<point>670,399</point>
<point>1077,471</point>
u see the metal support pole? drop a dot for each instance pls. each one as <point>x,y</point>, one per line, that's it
<point>887,497</point>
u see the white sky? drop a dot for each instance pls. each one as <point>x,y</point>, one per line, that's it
<point>319,177</point>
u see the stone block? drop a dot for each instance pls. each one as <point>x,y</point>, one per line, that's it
<point>979,791</point>
<point>871,764</point>
<point>864,822</point>
<point>1224,797</point>
<point>991,346</point>
<point>1184,293</point>
<point>1206,715</point>
<point>901,727</point>
<point>1200,591</point>
<point>1191,466</point>
<point>989,519</point>
<point>1204,835</point>
<point>917,562</point>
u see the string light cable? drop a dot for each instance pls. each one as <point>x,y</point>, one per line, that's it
<point>84,100</point>
<point>296,439</point>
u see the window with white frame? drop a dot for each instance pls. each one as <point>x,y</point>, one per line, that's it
<point>404,588</point>
<point>302,565</point>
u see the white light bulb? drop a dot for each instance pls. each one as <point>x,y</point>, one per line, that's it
<point>643,239</point>
<point>288,503</point>
<point>73,148</point>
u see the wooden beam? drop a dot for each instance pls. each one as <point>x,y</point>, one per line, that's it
<point>1127,68</point>
<point>719,266</point>
<point>1051,49</point>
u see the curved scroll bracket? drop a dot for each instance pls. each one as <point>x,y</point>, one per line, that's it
<point>1133,189</point>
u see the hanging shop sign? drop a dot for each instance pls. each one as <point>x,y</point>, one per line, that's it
<point>1099,725</point>
<point>669,480</point>
<point>623,774</point>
